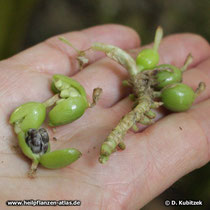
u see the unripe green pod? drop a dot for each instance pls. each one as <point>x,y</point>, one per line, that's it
<point>169,75</point>
<point>72,104</point>
<point>147,59</point>
<point>66,82</point>
<point>67,111</point>
<point>29,115</point>
<point>60,158</point>
<point>178,97</point>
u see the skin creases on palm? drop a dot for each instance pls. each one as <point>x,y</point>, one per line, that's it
<point>151,161</point>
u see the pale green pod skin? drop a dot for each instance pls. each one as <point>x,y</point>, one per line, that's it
<point>29,115</point>
<point>67,111</point>
<point>177,97</point>
<point>69,108</point>
<point>165,77</point>
<point>27,150</point>
<point>69,81</point>
<point>60,158</point>
<point>147,59</point>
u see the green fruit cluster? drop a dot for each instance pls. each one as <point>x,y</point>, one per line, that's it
<point>176,97</point>
<point>28,118</point>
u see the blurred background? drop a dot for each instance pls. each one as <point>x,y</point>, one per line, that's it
<point>24,23</point>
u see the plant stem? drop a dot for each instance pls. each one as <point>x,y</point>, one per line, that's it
<point>118,133</point>
<point>69,43</point>
<point>158,38</point>
<point>143,96</point>
<point>96,95</point>
<point>32,171</point>
<point>156,94</point>
<point>118,55</point>
<point>201,87</point>
<point>187,62</point>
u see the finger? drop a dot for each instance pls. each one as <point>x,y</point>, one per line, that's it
<point>21,72</point>
<point>108,74</point>
<point>175,48</point>
<point>175,52</point>
<point>162,154</point>
<point>175,146</point>
<point>54,56</point>
<point>199,73</point>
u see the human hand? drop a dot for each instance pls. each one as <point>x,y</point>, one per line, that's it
<point>154,158</point>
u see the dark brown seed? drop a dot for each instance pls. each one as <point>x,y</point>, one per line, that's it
<point>37,140</point>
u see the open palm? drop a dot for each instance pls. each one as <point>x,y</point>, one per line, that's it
<point>154,158</point>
